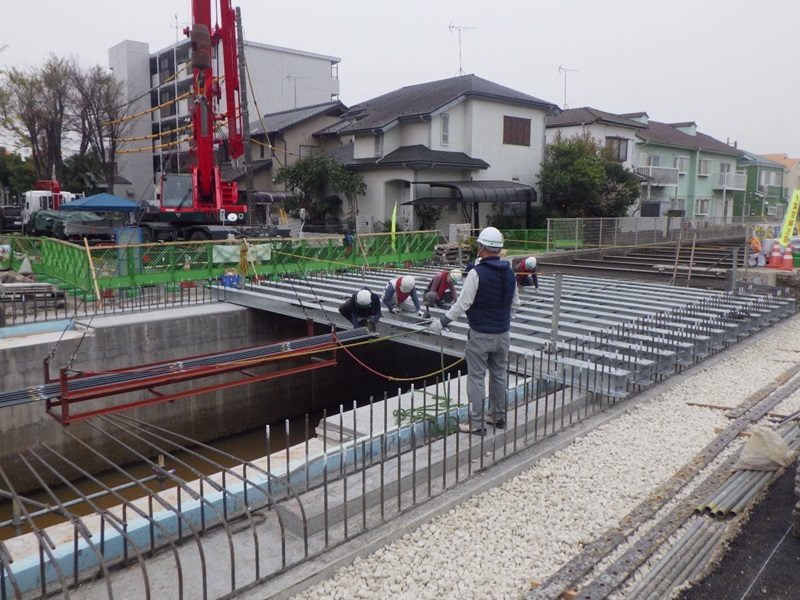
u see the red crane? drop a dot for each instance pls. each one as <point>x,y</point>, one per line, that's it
<point>193,204</point>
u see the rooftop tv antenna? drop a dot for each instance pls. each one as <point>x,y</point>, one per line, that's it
<point>459,28</point>
<point>565,70</point>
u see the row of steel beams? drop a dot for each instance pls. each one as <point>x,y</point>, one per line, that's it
<point>638,330</point>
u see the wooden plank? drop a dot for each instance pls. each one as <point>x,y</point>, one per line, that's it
<point>716,406</point>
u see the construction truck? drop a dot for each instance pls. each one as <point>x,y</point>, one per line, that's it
<point>44,201</point>
<point>199,205</point>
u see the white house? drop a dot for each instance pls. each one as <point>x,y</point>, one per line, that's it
<point>463,143</point>
<point>617,133</point>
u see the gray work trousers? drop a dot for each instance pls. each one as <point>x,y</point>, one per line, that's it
<point>487,350</point>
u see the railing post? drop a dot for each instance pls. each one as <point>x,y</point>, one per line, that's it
<point>576,234</point>
<point>556,310</point>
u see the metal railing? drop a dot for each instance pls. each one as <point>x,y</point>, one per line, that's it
<point>731,181</point>
<point>659,176</point>
<point>352,472</point>
<point>586,234</point>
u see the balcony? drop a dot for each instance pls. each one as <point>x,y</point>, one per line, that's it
<point>731,181</point>
<point>658,176</point>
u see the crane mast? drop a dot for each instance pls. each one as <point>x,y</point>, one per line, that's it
<point>202,197</point>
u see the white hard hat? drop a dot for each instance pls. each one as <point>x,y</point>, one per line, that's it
<point>407,284</point>
<point>491,238</point>
<point>364,298</point>
<point>530,263</point>
<point>455,276</point>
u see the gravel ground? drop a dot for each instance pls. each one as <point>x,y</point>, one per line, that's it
<point>494,543</point>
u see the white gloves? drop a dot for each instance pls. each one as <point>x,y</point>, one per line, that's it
<point>535,290</point>
<point>396,310</point>
<point>420,313</point>
<point>435,326</point>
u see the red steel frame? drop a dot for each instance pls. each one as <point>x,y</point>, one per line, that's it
<point>60,409</point>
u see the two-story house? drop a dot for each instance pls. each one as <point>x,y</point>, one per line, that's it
<point>791,180</point>
<point>686,172</point>
<point>281,139</point>
<point>764,195</point>
<point>459,143</point>
<point>617,133</point>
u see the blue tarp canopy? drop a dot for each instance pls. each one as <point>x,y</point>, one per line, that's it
<point>102,203</point>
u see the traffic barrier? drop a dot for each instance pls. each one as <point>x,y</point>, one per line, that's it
<point>775,258</point>
<point>787,264</point>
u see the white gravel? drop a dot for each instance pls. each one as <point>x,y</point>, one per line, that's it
<point>493,544</point>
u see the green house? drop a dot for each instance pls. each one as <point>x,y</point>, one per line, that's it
<point>765,194</point>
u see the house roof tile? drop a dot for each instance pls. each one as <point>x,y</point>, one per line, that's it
<point>281,121</point>
<point>667,135</point>
<point>422,100</point>
<point>418,155</point>
<point>586,115</point>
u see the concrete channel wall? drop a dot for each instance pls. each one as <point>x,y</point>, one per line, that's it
<point>137,339</point>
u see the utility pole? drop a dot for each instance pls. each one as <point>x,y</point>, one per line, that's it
<point>565,71</point>
<point>459,28</point>
<point>247,144</point>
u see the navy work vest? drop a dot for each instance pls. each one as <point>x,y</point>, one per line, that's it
<point>491,310</point>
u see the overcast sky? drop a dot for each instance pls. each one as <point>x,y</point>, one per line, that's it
<point>728,65</point>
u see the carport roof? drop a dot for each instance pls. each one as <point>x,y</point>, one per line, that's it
<point>478,191</point>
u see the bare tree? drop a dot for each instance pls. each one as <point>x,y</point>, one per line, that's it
<point>100,118</point>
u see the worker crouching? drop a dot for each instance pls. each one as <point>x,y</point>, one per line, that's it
<point>442,289</point>
<point>401,294</point>
<point>525,272</point>
<point>362,309</point>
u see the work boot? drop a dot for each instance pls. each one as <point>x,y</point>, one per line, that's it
<point>467,428</point>
<point>498,423</point>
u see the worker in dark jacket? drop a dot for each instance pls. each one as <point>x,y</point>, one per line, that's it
<point>441,289</point>
<point>488,297</point>
<point>362,309</point>
<point>526,274</point>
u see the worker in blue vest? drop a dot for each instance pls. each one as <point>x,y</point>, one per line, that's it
<point>489,298</point>
<point>398,292</point>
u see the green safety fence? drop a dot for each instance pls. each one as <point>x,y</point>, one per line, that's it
<point>525,240</point>
<point>173,263</point>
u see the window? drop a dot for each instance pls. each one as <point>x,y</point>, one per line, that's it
<point>334,70</point>
<point>702,206</point>
<point>679,204</point>
<point>725,167</point>
<point>769,178</point>
<point>334,97</point>
<point>682,164</point>
<point>618,148</point>
<point>445,129</point>
<point>516,131</point>
<point>653,160</point>
<point>379,145</point>
<point>772,210</point>
<point>704,169</point>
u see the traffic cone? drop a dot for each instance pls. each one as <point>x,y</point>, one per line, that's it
<point>787,263</point>
<point>775,258</point>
